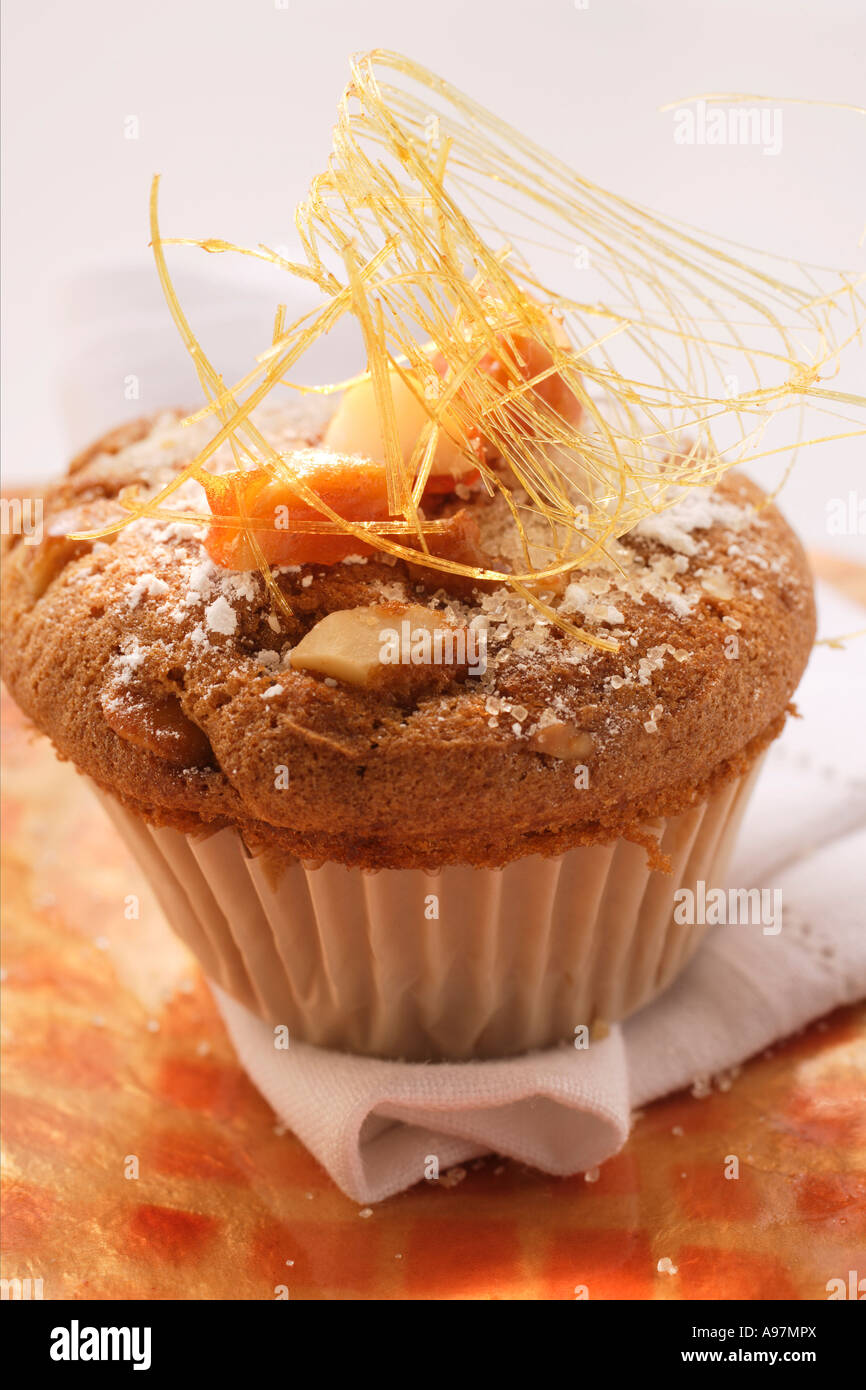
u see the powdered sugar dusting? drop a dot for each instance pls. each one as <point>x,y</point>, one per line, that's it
<point>128,661</point>
<point>696,511</point>
<point>221,617</point>
<point>149,585</point>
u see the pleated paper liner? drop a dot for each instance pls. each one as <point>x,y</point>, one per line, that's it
<point>451,965</point>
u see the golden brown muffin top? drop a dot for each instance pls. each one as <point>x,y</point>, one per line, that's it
<point>168,680</point>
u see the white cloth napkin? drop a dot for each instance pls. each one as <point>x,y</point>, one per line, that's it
<point>375,1125</point>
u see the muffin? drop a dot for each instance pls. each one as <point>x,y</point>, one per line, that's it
<point>469,854</point>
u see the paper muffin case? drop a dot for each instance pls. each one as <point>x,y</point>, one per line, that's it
<point>455,964</point>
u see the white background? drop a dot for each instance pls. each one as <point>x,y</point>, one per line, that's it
<point>235,100</point>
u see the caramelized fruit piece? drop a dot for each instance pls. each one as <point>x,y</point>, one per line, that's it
<point>355,429</point>
<point>348,473</point>
<point>532,358</point>
<point>355,488</point>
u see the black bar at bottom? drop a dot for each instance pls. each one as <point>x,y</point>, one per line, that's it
<point>264,1339</point>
